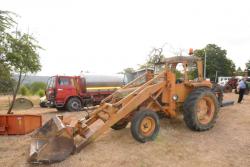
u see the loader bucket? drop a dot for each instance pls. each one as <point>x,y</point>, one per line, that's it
<point>52,142</point>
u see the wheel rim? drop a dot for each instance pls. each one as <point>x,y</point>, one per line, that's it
<point>147,126</point>
<point>75,105</point>
<point>205,110</point>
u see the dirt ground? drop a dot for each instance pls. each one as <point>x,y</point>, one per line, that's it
<point>227,144</point>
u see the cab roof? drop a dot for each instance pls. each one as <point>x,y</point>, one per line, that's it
<point>180,59</point>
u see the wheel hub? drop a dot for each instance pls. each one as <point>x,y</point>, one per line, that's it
<point>205,110</point>
<point>75,105</point>
<point>147,126</point>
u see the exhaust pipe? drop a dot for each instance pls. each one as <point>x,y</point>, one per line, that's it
<point>227,103</point>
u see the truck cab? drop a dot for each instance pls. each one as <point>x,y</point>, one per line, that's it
<point>60,89</point>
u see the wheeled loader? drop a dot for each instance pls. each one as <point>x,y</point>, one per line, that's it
<point>138,102</point>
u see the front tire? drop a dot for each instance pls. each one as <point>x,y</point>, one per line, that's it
<point>74,104</point>
<point>201,109</point>
<point>145,126</point>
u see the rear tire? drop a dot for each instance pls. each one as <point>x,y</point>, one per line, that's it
<point>145,126</point>
<point>201,109</point>
<point>74,104</point>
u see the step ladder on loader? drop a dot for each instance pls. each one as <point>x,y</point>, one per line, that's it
<point>56,140</point>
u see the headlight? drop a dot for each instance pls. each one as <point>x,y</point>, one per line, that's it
<point>175,97</point>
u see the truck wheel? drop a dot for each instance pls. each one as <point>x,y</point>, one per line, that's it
<point>145,126</point>
<point>200,109</point>
<point>74,104</point>
<point>43,105</point>
<point>120,125</point>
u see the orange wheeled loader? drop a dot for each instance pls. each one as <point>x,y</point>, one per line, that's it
<point>138,102</point>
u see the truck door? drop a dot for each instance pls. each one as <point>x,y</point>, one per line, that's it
<point>65,89</point>
<point>50,90</point>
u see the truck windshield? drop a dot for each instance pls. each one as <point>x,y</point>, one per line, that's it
<point>51,82</point>
<point>63,81</point>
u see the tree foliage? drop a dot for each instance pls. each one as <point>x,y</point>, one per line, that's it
<point>6,22</point>
<point>128,70</point>
<point>24,90</point>
<point>239,72</point>
<point>22,53</point>
<point>35,87</point>
<point>40,93</point>
<point>248,67</point>
<point>6,81</point>
<point>216,61</point>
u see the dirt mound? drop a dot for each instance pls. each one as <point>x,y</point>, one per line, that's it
<point>23,103</point>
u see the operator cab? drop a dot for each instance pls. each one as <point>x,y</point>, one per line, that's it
<point>184,67</point>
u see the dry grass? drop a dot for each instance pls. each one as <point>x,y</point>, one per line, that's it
<point>5,101</point>
<point>227,144</point>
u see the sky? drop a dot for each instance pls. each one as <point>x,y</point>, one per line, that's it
<point>107,36</point>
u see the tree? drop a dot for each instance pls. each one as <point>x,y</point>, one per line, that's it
<point>248,67</point>
<point>23,58</point>
<point>216,61</point>
<point>18,54</point>
<point>128,70</point>
<point>154,57</point>
<point>239,72</point>
<point>36,86</point>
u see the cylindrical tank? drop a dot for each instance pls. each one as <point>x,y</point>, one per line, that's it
<point>97,80</point>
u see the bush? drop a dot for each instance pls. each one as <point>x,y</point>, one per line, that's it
<point>24,91</point>
<point>40,93</point>
<point>36,87</point>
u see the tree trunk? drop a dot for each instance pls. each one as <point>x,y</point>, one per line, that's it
<point>15,93</point>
